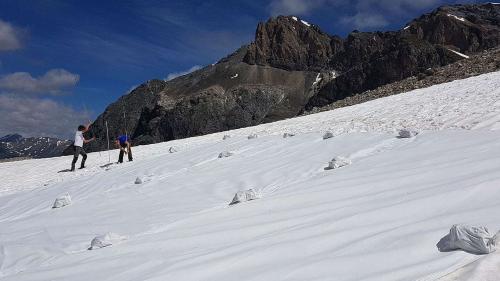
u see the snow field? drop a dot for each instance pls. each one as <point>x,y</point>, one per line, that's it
<point>376,219</point>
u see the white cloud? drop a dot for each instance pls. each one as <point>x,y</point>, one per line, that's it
<point>54,82</point>
<point>396,7</point>
<point>10,37</point>
<point>363,20</point>
<point>173,75</point>
<point>378,13</point>
<point>38,117</point>
<point>368,14</point>
<point>294,7</point>
<point>131,89</point>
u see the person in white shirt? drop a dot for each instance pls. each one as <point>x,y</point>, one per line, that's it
<point>79,141</point>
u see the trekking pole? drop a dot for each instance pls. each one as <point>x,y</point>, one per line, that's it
<point>107,137</point>
<point>86,112</point>
<point>125,121</point>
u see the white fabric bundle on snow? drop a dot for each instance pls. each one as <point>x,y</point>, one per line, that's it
<point>62,201</point>
<point>252,136</point>
<point>245,195</point>
<point>105,240</point>
<point>472,239</point>
<point>328,135</point>
<point>225,154</point>
<point>407,133</point>
<point>338,162</point>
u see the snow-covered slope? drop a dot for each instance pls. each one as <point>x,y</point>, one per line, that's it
<point>376,219</point>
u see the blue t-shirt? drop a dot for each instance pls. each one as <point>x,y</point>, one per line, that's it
<point>123,139</point>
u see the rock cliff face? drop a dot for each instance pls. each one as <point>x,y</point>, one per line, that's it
<point>465,28</point>
<point>292,44</point>
<point>227,95</point>
<point>293,66</point>
<point>123,115</point>
<point>367,60</point>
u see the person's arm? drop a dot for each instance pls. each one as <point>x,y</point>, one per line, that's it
<point>87,127</point>
<point>89,140</point>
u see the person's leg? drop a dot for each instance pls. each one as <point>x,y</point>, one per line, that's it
<point>84,157</point>
<point>120,157</point>
<point>75,157</point>
<point>129,153</point>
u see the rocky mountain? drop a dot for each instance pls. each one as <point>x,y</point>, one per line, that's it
<point>483,62</point>
<point>291,67</point>
<point>15,146</point>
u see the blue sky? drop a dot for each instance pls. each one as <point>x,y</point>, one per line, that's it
<point>62,62</point>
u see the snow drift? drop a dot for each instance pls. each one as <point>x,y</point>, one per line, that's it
<point>62,201</point>
<point>105,240</point>
<point>245,195</point>
<point>225,154</point>
<point>338,162</point>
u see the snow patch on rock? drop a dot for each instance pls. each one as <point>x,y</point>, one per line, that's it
<point>460,54</point>
<point>456,17</point>
<point>317,80</point>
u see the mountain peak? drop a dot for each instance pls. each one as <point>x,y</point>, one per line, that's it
<point>290,43</point>
<point>466,27</point>
<point>293,66</point>
<point>11,138</point>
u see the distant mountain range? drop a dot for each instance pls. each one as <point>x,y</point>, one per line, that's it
<point>16,146</point>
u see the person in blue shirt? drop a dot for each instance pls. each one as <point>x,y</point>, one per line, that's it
<point>123,142</point>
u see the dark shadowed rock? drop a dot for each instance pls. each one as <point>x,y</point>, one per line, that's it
<point>289,43</point>
<point>466,28</point>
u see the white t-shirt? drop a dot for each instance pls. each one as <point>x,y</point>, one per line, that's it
<point>79,139</point>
